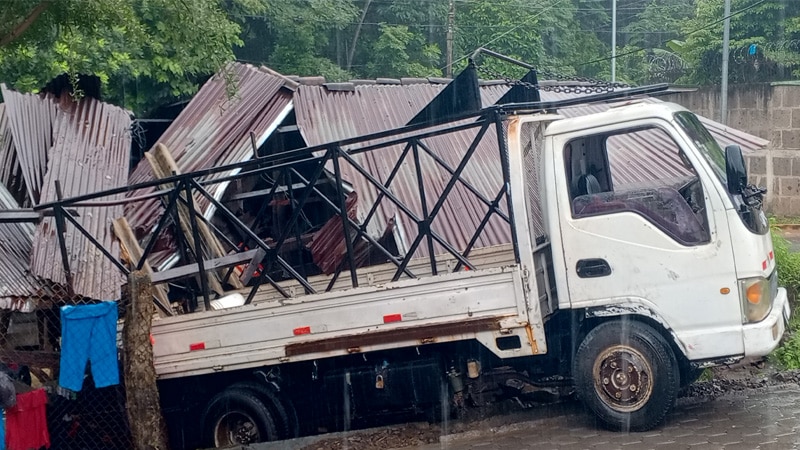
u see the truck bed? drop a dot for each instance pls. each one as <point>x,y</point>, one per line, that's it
<point>377,315</point>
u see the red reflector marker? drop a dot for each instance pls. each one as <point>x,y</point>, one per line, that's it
<point>389,318</point>
<point>771,255</point>
<point>764,264</point>
<point>197,346</point>
<point>301,330</point>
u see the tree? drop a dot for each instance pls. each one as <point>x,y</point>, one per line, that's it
<point>298,37</point>
<point>763,41</point>
<point>399,39</point>
<point>143,51</point>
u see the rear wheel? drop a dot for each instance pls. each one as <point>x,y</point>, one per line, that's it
<point>627,375</point>
<point>237,416</point>
<point>280,407</point>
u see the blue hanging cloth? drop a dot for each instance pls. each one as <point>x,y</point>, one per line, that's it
<point>89,333</point>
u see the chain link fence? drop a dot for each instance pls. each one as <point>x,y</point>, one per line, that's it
<point>66,345</point>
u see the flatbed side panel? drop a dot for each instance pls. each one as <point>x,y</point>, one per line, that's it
<point>259,334</point>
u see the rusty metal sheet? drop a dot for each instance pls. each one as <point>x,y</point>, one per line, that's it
<point>214,130</point>
<point>324,116</point>
<point>10,169</point>
<point>31,119</point>
<point>90,154</point>
<point>18,288</point>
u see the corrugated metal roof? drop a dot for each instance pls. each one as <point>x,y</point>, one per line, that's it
<point>214,130</point>
<point>17,285</point>
<point>31,119</point>
<point>326,115</point>
<point>90,154</point>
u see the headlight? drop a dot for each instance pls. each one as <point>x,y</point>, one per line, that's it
<point>756,299</point>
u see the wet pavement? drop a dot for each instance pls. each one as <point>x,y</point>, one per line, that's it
<point>757,419</point>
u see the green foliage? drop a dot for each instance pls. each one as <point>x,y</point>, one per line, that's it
<point>788,262</point>
<point>392,54</point>
<point>298,37</point>
<point>143,51</point>
<point>147,52</point>
<point>788,354</point>
<point>770,22</point>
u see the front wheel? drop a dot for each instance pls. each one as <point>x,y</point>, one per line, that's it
<point>626,374</point>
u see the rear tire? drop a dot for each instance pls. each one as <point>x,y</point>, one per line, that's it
<point>626,374</point>
<point>281,408</point>
<point>237,416</point>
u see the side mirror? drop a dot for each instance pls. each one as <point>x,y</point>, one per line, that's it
<point>735,169</point>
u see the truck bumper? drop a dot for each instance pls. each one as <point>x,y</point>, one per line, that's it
<point>762,337</point>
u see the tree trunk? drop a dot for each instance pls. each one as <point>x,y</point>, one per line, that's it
<point>148,431</point>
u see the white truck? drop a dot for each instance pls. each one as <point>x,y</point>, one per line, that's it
<point>619,252</point>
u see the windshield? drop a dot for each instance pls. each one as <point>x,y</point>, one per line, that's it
<point>704,142</point>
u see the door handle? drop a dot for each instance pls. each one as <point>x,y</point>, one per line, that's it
<point>593,268</point>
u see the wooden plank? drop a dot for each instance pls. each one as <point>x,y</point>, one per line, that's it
<point>130,244</point>
<point>169,166</point>
<point>164,166</point>
<point>210,264</point>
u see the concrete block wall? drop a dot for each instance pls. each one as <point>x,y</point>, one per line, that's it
<point>769,111</point>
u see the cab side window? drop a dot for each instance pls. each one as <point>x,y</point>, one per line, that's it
<point>640,171</point>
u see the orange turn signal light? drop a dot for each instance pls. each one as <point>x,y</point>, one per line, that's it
<point>754,293</point>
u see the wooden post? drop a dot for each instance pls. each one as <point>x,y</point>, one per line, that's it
<point>148,430</point>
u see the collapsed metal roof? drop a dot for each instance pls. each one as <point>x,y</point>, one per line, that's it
<point>85,146</point>
<point>214,130</point>
<point>325,115</point>
<point>90,153</point>
<point>332,112</point>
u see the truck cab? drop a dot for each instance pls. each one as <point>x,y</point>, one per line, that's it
<point>661,250</point>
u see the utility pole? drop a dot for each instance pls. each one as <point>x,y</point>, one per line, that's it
<point>726,41</point>
<point>613,41</point>
<point>451,18</point>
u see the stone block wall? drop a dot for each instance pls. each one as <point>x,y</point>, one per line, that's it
<point>769,111</point>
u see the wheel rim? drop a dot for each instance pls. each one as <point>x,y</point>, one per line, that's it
<point>235,428</point>
<point>623,378</point>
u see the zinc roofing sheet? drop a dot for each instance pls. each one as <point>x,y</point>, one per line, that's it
<point>329,114</point>
<point>214,130</point>
<point>90,154</point>
<point>16,239</point>
<point>31,118</point>
<point>325,116</point>
<point>8,155</point>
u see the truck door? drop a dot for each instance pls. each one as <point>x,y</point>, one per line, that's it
<point>643,234</point>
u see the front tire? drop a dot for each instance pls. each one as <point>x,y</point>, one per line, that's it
<point>626,374</point>
<point>237,416</point>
